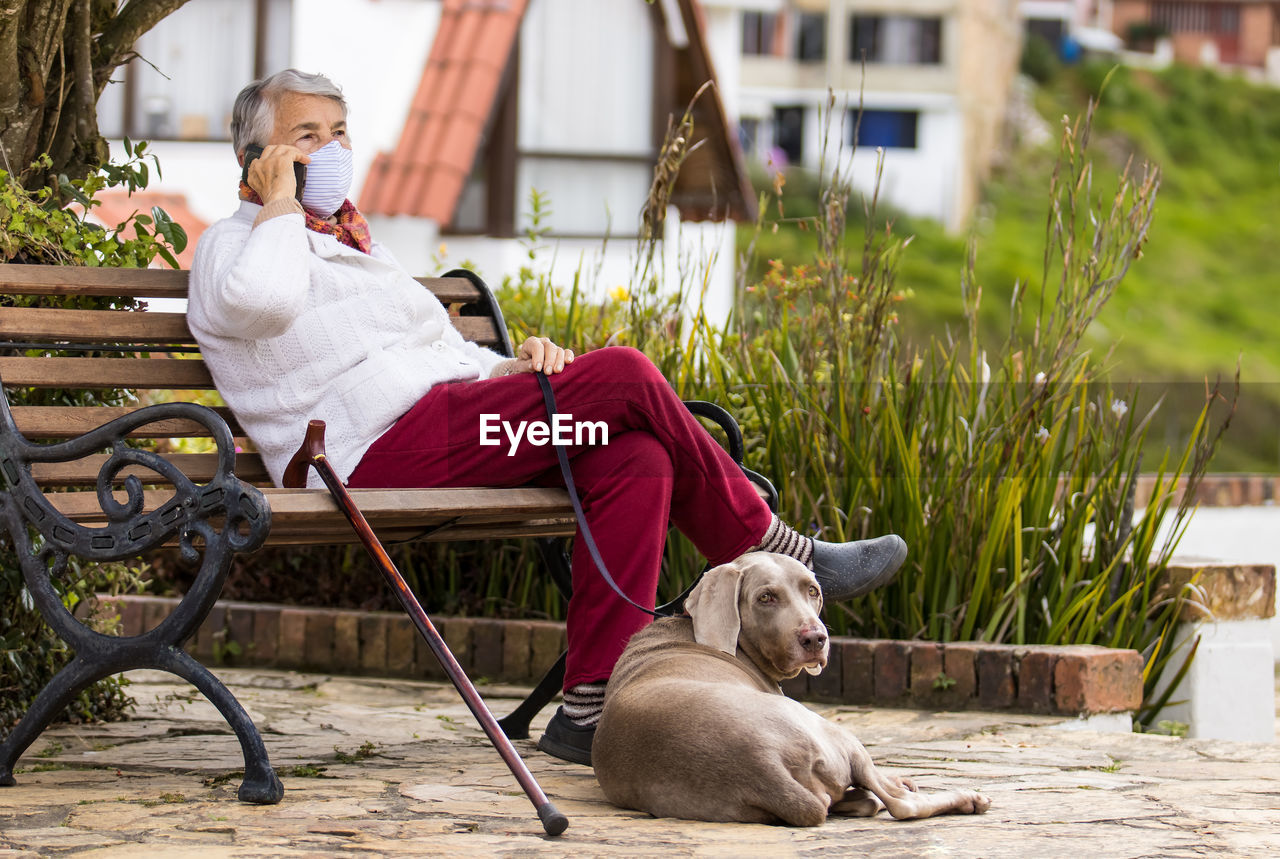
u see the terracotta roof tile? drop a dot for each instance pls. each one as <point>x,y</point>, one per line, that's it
<point>443,131</point>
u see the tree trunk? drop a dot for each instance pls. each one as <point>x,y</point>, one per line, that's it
<point>64,52</point>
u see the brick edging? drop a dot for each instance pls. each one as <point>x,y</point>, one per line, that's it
<point>1054,680</point>
<point>1221,490</point>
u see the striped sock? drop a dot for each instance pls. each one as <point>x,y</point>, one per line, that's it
<point>584,703</point>
<point>785,540</point>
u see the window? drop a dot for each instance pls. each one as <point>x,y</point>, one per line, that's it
<point>1219,18</point>
<point>193,63</point>
<point>788,133</point>
<point>749,134</point>
<point>896,39</point>
<point>759,29</point>
<point>811,38</point>
<point>892,129</point>
<point>1050,29</point>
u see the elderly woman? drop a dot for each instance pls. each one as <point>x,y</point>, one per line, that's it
<point>301,315</point>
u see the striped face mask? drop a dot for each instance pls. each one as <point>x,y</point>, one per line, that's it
<point>328,179</point>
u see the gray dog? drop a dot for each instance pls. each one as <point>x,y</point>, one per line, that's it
<point>695,726</point>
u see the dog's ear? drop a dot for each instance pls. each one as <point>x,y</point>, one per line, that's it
<point>713,605</point>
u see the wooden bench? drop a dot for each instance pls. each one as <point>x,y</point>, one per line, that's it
<point>233,507</point>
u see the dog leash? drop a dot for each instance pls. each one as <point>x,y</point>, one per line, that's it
<point>549,398</point>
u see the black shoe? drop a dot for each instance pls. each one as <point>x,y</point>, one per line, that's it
<point>567,741</point>
<point>846,570</point>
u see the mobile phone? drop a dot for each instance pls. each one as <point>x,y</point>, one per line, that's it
<point>252,151</point>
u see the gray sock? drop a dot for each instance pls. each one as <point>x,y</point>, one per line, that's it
<point>584,703</point>
<point>782,539</point>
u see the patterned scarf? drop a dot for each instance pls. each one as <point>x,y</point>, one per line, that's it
<point>351,228</point>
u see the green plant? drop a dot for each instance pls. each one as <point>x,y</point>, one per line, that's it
<point>1012,471</point>
<point>36,228</point>
<point>41,227</point>
<point>365,750</point>
<point>1039,59</point>
<point>1170,727</point>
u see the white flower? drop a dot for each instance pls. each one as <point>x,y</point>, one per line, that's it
<point>1042,435</point>
<point>1119,408</point>
<point>1039,380</point>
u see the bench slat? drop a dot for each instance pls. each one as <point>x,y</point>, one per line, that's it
<point>148,373</point>
<point>405,505</point>
<point>50,422</point>
<point>311,517</point>
<point>159,283</point>
<point>451,290</point>
<point>344,535</point>
<point>478,329</point>
<point>200,467</point>
<point>43,325</point>
<point>101,282</point>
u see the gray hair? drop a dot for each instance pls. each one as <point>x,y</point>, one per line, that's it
<point>254,116</point>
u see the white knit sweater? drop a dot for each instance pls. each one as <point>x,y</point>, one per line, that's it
<point>294,325</point>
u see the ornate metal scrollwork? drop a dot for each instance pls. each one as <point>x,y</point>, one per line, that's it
<point>224,516</point>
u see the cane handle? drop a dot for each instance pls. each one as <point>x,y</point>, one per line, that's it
<point>295,473</point>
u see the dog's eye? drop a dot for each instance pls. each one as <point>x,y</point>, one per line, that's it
<point>767,597</point>
<point>813,590</point>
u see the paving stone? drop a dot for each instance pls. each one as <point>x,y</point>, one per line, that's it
<point>164,785</point>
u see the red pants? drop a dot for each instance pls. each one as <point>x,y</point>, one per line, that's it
<point>659,464</point>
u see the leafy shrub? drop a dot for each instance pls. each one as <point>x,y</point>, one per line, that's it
<point>36,227</point>
<point>1039,59</point>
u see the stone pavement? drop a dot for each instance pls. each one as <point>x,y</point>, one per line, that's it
<point>392,768</point>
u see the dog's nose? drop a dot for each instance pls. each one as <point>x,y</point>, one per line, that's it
<point>813,640</point>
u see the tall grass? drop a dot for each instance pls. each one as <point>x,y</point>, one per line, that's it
<point>1010,470</point>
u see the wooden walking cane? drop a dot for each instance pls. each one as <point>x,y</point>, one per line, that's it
<point>312,454</point>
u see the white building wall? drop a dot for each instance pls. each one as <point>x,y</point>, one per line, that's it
<point>696,258</point>
<point>919,181</point>
<point>925,181</point>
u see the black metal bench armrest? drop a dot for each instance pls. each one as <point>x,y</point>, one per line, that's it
<point>719,416</point>
<point>130,530</point>
<point>43,540</point>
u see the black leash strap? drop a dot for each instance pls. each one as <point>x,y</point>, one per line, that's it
<point>549,398</point>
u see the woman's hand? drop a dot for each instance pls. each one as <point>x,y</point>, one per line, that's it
<point>540,355</point>
<point>271,173</point>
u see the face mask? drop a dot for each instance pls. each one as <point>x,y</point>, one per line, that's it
<point>328,179</point>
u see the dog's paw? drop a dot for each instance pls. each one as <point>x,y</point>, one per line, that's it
<point>972,802</point>
<point>905,783</point>
<point>856,802</point>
